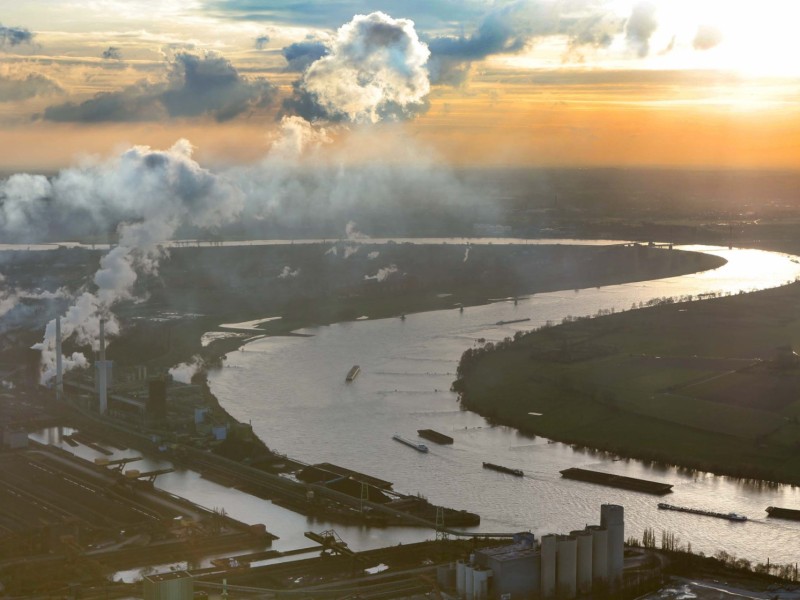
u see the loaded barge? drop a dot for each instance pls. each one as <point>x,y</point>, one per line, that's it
<point>434,436</point>
<point>699,511</point>
<point>783,513</point>
<point>502,469</point>
<point>512,321</point>
<point>618,481</point>
<point>416,446</point>
<point>353,373</point>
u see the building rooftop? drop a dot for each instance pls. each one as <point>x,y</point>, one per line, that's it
<point>509,552</point>
<point>159,577</point>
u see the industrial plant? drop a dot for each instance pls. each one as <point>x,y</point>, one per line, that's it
<point>557,566</point>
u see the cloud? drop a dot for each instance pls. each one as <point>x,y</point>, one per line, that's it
<point>14,36</point>
<point>197,85</point>
<point>375,70</point>
<point>13,89</point>
<point>112,53</point>
<point>707,37</point>
<point>262,41</point>
<point>301,54</point>
<point>640,26</point>
<point>513,27</point>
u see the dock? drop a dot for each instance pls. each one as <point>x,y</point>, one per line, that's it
<point>618,481</point>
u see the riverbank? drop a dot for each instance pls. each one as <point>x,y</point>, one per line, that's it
<point>709,385</point>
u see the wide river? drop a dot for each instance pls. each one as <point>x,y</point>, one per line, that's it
<point>292,391</point>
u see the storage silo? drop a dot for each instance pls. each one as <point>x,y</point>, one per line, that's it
<point>548,569</point>
<point>480,583</point>
<point>567,566</point>
<point>584,576</point>
<point>612,517</point>
<point>599,553</point>
<point>468,582</point>
<point>461,581</point>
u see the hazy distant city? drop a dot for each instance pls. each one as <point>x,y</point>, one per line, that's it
<point>481,300</point>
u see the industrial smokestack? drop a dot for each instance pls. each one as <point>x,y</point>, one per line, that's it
<point>102,372</point>
<point>59,366</point>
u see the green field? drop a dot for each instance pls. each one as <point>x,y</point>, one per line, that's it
<point>697,384</point>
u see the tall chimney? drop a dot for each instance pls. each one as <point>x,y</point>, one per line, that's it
<point>102,372</point>
<point>59,366</point>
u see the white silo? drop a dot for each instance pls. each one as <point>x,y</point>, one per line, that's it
<point>480,583</point>
<point>461,579</point>
<point>567,566</point>
<point>548,566</point>
<point>599,553</point>
<point>612,517</point>
<point>468,582</point>
<point>584,538</point>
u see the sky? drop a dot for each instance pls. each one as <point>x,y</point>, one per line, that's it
<point>539,83</point>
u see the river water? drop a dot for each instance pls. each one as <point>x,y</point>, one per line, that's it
<point>293,392</point>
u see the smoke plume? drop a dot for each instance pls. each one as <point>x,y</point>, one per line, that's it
<point>382,274</point>
<point>184,372</point>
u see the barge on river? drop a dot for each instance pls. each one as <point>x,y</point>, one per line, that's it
<point>353,373</point>
<point>783,513</point>
<point>699,511</point>
<point>502,469</point>
<point>618,481</point>
<point>416,446</point>
<point>434,436</point>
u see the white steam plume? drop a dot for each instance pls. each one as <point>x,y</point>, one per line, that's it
<point>184,372</point>
<point>373,255</point>
<point>159,190</point>
<point>287,273</point>
<point>382,274</point>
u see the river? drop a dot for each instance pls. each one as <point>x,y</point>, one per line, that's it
<point>292,391</point>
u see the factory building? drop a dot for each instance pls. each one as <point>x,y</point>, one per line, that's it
<point>557,566</point>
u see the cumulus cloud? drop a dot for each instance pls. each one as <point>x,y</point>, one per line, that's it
<point>197,85</point>
<point>112,53</point>
<point>14,36</point>
<point>640,26</point>
<point>300,55</point>
<point>375,70</point>
<point>706,37</point>
<point>13,89</point>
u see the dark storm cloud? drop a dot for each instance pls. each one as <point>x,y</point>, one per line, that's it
<point>197,86</point>
<point>641,25</point>
<point>707,37</point>
<point>513,27</point>
<point>13,36</point>
<point>262,41</point>
<point>301,54</point>
<point>13,89</point>
<point>112,53</point>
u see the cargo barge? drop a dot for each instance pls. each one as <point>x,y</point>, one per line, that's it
<point>512,321</point>
<point>502,469</point>
<point>618,481</point>
<point>353,373</point>
<point>706,513</point>
<point>434,436</point>
<point>783,513</point>
<point>418,447</point>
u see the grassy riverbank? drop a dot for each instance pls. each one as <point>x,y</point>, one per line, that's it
<point>697,384</point>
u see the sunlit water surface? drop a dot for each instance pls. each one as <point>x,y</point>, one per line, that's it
<point>293,392</point>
